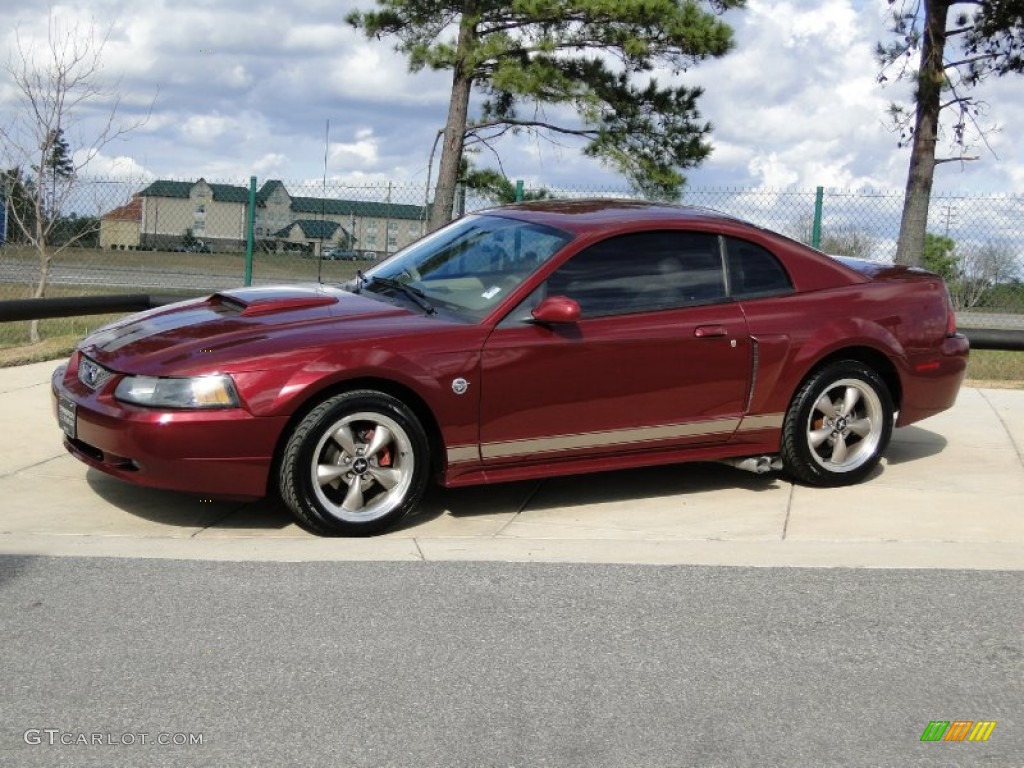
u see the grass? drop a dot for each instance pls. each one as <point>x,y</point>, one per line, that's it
<point>996,368</point>
<point>59,337</point>
<point>61,334</point>
<point>230,266</point>
<point>987,367</point>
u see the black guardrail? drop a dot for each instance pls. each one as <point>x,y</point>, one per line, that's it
<point>994,338</point>
<point>71,306</point>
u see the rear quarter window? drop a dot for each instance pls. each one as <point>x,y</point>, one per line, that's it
<point>754,271</point>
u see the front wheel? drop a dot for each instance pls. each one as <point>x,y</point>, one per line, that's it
<point>355,465</point>
<point>837,426</point>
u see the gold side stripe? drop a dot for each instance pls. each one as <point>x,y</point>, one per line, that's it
<point>463,453</point>
<point>602,439</point>
<point>765,421</point>
<point>535,445</point>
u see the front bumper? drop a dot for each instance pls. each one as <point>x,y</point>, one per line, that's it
<point>220,453</point>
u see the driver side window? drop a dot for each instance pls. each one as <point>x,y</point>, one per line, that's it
<point>642,272</point>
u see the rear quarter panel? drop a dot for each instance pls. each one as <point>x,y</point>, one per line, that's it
<point>903,319</point>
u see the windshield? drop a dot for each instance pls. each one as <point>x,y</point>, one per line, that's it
<point>469,266</point>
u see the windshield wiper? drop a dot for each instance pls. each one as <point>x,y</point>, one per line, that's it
<point>415,294</point>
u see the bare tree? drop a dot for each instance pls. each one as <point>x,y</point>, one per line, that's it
<point>836,239</point>
<point>54,83</point>
<point>848,240</point>
<point>979,270</point>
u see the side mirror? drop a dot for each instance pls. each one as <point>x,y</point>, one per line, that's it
<point>556,309</point>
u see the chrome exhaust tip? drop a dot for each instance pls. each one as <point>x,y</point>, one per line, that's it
<point>759,465</point>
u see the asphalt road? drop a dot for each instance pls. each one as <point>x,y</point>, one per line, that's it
<point>469,664</point>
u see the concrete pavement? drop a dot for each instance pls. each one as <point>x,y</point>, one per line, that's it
<point>949,494</point>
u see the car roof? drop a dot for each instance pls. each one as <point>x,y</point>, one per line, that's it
<point>589,214</point>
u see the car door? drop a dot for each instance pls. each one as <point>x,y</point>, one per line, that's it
<point>659,357</point>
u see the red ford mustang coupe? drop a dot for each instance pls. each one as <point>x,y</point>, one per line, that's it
<point>522,342</point>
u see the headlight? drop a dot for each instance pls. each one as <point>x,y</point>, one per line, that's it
<point>198,392</point>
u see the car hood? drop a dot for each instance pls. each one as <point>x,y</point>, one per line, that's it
<point>244,329</point>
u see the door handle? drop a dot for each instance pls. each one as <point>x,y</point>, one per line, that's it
<point>710,331</point>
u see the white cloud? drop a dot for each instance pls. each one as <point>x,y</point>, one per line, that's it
<point>361,153</point>
<point>208,129</point>
<point>237,77</point>
<point>241,92</point>
<point>315,37</point>
<point>119,167</point>
<point>773,173</point>
<point>271,165</point>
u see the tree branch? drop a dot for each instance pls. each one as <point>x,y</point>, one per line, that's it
<point>962,159</point>
<point>511,122</point>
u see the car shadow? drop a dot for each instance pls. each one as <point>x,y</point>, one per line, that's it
<point>912,444</point>
<point>185,510</point>
<point>625,485</point>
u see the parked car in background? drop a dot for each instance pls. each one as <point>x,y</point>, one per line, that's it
<point>340,254</point>
<point>345,254</point>
<point>195,247</point>
<point>529,341</point>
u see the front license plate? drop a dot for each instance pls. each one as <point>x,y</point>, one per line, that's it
<point>67,416</point>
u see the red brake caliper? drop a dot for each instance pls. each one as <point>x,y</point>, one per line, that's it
<point>384,457</point>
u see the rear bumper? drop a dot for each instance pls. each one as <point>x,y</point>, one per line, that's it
<point>933,380</point>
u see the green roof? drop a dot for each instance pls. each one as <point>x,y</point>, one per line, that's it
<point>222,193</point>
<point>266,190</point>
<point>229,193</point>
<point>311,228</point>
<point>359,208</point>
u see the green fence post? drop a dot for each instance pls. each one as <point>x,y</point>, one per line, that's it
<point>250,226</point>
<point>819,195</point>
<point>519,190</point>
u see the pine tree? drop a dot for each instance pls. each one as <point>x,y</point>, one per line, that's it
<point>591,58</point>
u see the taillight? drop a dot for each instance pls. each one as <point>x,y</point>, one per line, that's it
<point>950,316</point>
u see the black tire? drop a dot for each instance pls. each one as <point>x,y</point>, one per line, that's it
<point>371,456</point>
<point>838,425</point>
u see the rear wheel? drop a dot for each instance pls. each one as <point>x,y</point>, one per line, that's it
<point>355,465</point>
<point>838,425</point>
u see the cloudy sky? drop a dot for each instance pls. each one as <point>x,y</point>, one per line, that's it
<point>241,88</point>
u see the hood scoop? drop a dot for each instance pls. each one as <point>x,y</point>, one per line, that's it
<point>248,302</point>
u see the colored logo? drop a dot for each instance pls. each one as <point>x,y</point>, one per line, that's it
<point>958,730</point>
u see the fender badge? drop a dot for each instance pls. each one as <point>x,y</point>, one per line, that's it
<point>459,386</point>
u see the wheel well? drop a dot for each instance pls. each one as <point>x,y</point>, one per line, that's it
<point>872,358</point>
<point>388,387</point>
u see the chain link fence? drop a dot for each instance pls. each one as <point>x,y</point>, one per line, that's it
<point>191,237</point>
